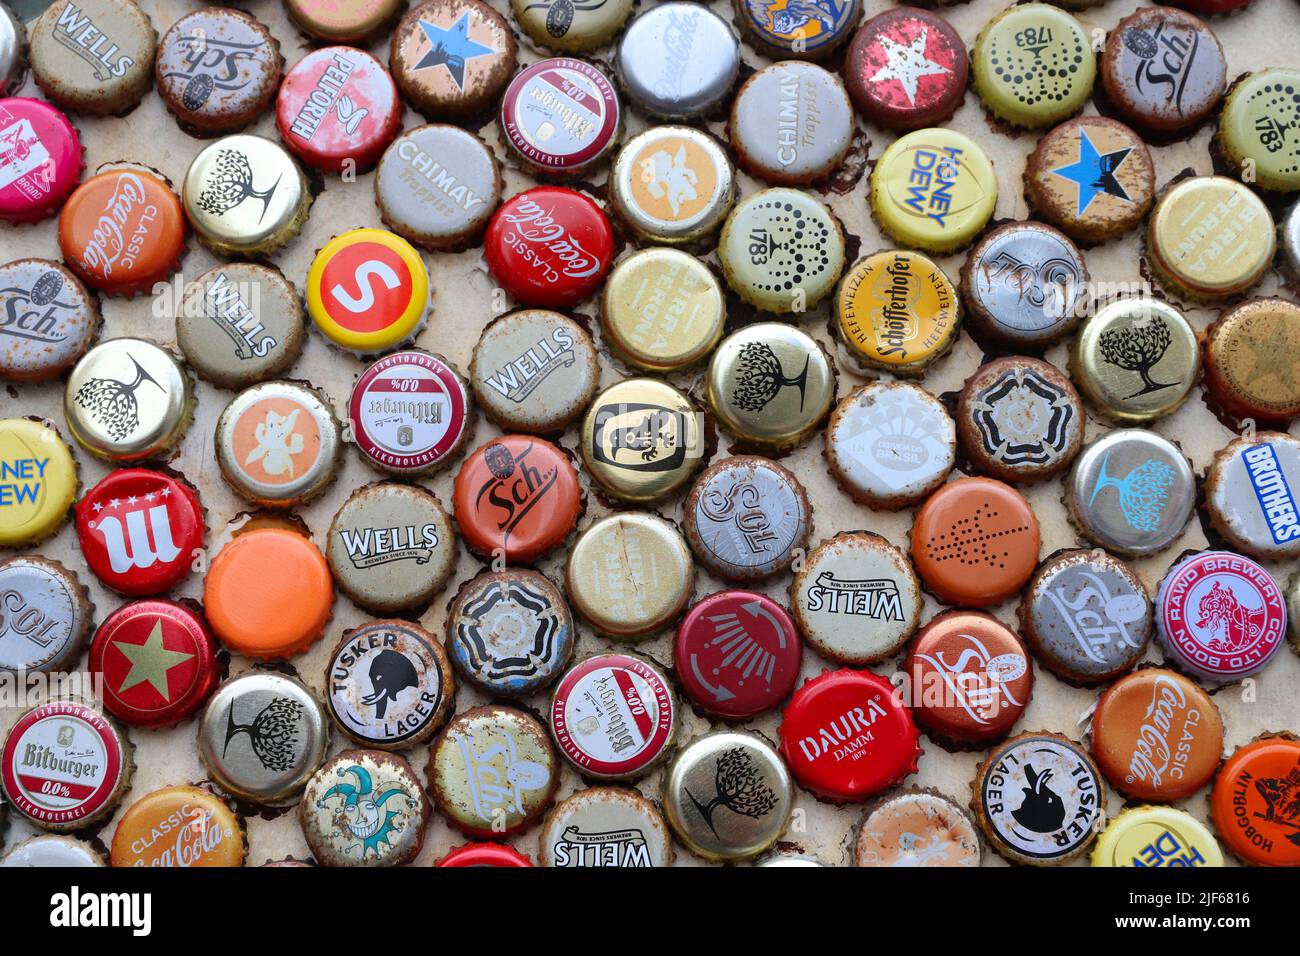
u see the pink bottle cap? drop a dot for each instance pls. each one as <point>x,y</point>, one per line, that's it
<point>40,159</point>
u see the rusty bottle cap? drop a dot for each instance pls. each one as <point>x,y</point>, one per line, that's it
<point>1033,65</point>
<point>641,439</point>
<point>343,21</point>
<point>917,828</point>
<point>1255,128</point>
<point>605,827</point>
<point>364,808</point>
<point>784,34</point>
<point>47,615</point>
<point>791,123</point>
<point>907,69</point>
<point>51,850</point>
<point>1249,495</point>
<point>452,58</point>
<point>51,320</point>
<point>1243,804</point>
<point>662,310</point>
<point>94,56</point>
<point>1252,360</point>
<point>13,51</point>
<point>563,25</point>
<point>179,827</point>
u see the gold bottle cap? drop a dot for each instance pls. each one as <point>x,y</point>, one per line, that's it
<point>672,184</point>
<point>629,574</point>
<point>245,196</point>
<point>771,384</point>
<point>128,399</point>
<point>1136,360</point>
<point>641,439</point>
<point>662,310</point>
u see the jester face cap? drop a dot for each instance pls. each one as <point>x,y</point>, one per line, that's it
<point>368,291</point>
<point>93,56</point>
<point>641,439</point>
<point>561,116</point>
<point>38,481</point>
<point>791,123</point>
<point>38,183</point>
<point>410,435</point>
<point>1156,836</point>
<point>452,58</point>
<point>605,826</point>
<point>662,310</point>
<point>566,26</point>
<point>1250,498</point>
<point>1252,367</point>
<point>49,615</point>
<point>1249,805</point>
<point>1034,65</point>
<point>672,185</point>
<point>907,69</point>
<point>364,808</point>
<point>779,32</point>
<point>678,60</point>
<point>1257,124</point>
<point>888,836</point>
<point>55,320</point>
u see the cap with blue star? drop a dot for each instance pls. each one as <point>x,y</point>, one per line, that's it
<point>452,48</point>
<point>1094,173</point>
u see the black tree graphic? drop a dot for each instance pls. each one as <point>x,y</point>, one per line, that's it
<point>740,788</point>
<point>112,403</point>
<point>760,377</point>
<point>231,183</point>
<point>1138,348</point>
<point>272,734</point>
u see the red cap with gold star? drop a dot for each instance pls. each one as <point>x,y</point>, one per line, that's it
<point>157,660</point>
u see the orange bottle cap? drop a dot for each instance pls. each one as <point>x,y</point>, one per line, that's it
<point>179,826</point>
<point>1249,806</point>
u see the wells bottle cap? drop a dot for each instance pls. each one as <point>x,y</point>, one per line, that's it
<point>262,736</point>
<point>564,26</point>
<point>1033,65</point>
<point>1243,804</point>
<point>212,834</point>
<point>780,34</point>
<point>1255,126</point>
<point>662,310</point>
<point>1248,494</point>
<point>94,57</point>
<point>484,854</point>
<point>691,47</point>
<point>1252,366</point>
<point>39,178</point>
<point>653,210</point>
<point>47,615</point>
<point>411,413</point>
<point>364,808</point>
<point>38,481</point>
<point>846,736</point>
<point>641,439</point>
<point>1156,836</point>
<point>54,320</point>
<point>452,57</point>
<point>906,69</point>
<point>354,311</point>
<point>791,123</point>
<point>561,116</point>
<point>605,827</point>
<point>343,21</point>
<point>51,850</point>
<point>889,834</point>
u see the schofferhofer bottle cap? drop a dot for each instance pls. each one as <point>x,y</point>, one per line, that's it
<point>351,308</point>
<point>39,483</point>
<point>364,808</point>
<point>1250,498</point>
<point>641,439</point>
<point>1156,836</point>
<point>897,311</point>
<point>48,615</point>
<point>149,835</point>
<point>643,193</point>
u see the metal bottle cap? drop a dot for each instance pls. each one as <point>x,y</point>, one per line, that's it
<point>561,116</point>
<point>678,60</point>
<point>1252,363</point>
<point>564,25</point>
<point>406,435</point>
<point>672,184</point>
<point>13,51</point>
<point>51,850</point>
<point>728,795</point>
<point>1033,65</point>
<point>38,182</point>
<point>47,614</point>
<point>51,320</point>
<point>771,384</point>
<point>343,21</point>
<point>1246,788</point>
<point>128,399</point>
<point>363,322</point>
<point>789,859</point>
<point>452,57</point>
<point>262,736</point>
<point>364,808</point>
<point>782,33</point>
<point>791,123</point>
<point>605,827</point>
<point>1131,491</point>
<point>38,499</point>
<point>641,439</point>
<point>662,310</point>
<point>1250,498</point>
<point>1288,231</point>
<point>150,832</point>
<point>95,57</point>
<point>917,828</point>
<point>1252,129</point>
<point>1156,836</point>
<point>1292,596</point>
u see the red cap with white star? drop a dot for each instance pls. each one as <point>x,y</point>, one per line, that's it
<point>906,69</point>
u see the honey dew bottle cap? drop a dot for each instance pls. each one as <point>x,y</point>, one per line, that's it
<point>605,827</point>
<point>662,310</point>
<point>95,56</point>
<point>781,250</point>
<point>771,384</point>
<point>568,27</point>
<point>127,400</point>
<point>897,312</point>
<point>1136,360</point>
<point>783,33</point>
<point>641,439</point>
<point>711,815</point>
<point>906,69</point>
<point>354,311</point>
<point>37,182</point>
<point>1249,496</point>
<point>934,189</point>
<point>1252,360</point>
<point>13,51</point>
<point>51,320</point>
<point>889,834</point>
<point>343,21</point>
<point>560,116</point>
<point>1156,836</point>
<point>48,615</point>
<point>244,594</point>
<point>1033,65</point>
<point>791,123</point>
<point>1256,124</point>
<point>452,58</point>
<point>50,850</point>
<point>364,808</point>
<point>678,60</point>
<point>642,190</point>
<point>38,481</point>
<point>1243,804</point>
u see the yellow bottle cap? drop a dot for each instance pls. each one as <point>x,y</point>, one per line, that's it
<point>641,439</point>
<point>38,481</point>
<point>1258,124</point>
<point>897,311</point>
<point>367,290</point>
<point>1156,836</point>
<point>662,310</point>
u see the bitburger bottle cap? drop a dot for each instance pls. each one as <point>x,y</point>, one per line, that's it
<point>51,320</point>
<point>917,828</point>
<point>662,310</point>
<point>38,481</point>
<point>1156,836</point>
<point>40,177</point>
<point>1243,804</point>
<point>643,193</point>
<point>784,33</point>
<point>1252,369</point>
<point>641,439</point>
<point>560,117</point>
<point>791,123</point>
<point>1249,497</point>
<point>452,58</point>
<point>1256,126</point>
<point>605,827</point>
<point>48,615</point>
<point>907,69</point>
<point>212,834</point>
<point>95,56</point>
<point>364,808</point>
<point>353,311</point>
<point>678,60</point>
<point>564,26</point>
<point>343,21</point>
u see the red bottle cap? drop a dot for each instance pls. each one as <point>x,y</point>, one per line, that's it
<point>139,530</point>
<point>847,735</point>
<point>41,159</point>
<point>737,654</point>
<point>338,104</point>
<point>484,854</point>
<point>560,115</point>
<point>549,247</point>
<point>158,662</point>
<point>410,412</point>
<point>906,69</point>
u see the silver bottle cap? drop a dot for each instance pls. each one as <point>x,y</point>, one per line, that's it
<point>52,849</point>
<point>1288,240</point>
<point>13,51</point>
<point>678,60</point>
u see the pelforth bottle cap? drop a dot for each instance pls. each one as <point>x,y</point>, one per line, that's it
<point>678,60</point>
<point>605,827</point>
<point>51,320</point>
<point>641,439</point>
<point>39,481</point>
<point>452,58</point>
<point>906,69</point>
<point>571,27</point>
<point>782,33</point>
<point>791,123</point>
<point>1250,498</point>
<point>45,161</point>
<point>645,194</point>
<point>1033,65</point>
<point>364,808</point>
<point>95,56</point>
<point>411,413</point>
<point>560,116</point>
<point>343,21</point>
<point>917,828</point>
<point>1244,802</point>
<point>150,832</point>
<point>1252,366</point>
<point>47,615</point>
<point>1256,125</point>
<point>662,310</point>
<point>1156,836</point>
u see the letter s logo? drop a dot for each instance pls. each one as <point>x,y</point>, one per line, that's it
<point>371,268</point>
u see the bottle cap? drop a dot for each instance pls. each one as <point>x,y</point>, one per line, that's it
<point>47,614</point>
<point>65,766</point>
<point>279,444</point>
<point>846,736</point>
<point>1156,735</point>
<point>1255,126</point>
<point>890,444</point>
<point>437,186</point>
<point>517,497</point>
<point>128,399</point>
<point>549,247</point>
<point>678,60</point>
<point>856,598</point>
<point>484,854</point>
<point>493,743</point>
<point>605,827</point>
<point>934,189</point>
<point>781,250</point>
<point>46,160</point>
<point>452,58</point>
<point>351,308</point>
<point>1163,68</point>
<point>235,169</point>
<point>1019,419</point>
<point>1251,367</point>
<point>1219,617</point>
<point>364,808</point>
<point>1087,616</point>
<point>629,574</point>
<point>13,52</point>
<point>560,116</point>
<point>1131,491</point>
<point>1293,611</point>
<point>805,35</point>
<point>917,828</point>
<point>897,312</point>
<point>262,736</point>
<point>771,384</point>
<point>641,439</point>
<point>1191,226</point>
<point>245,588</point>
<point>148,238</point>
<point>389,684</point>
<point>906,69</point>
<point>662,310</point>
<point>1156,836</point>
<point>50,850</point>
<point>240,323</point>
<point>510,633</point>
<point>217,70</point>
<point>746,517</point>
<point>975,542</point>
<point>613,716</point>
<point>789,859</point>
<point>565,26</point>
<point>49,322</point>
<point>1136,360</point>
<point>646,190</point>
<point>95,56</point>
<point>38,481</point>
<point>728,796</point>
<point>412,436</point>
<point>207,832</point>
<point>514,366</point>
<point>337,109</point>
<point>139,530</point>
<point>1248,494</point>
<point>737,654</point>
<point>791,123</point>
<point>1244,802</point>
<point>1033,65</point>
<point>1039,799</point>
<point>343,21</point>
<point>391,547</point>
